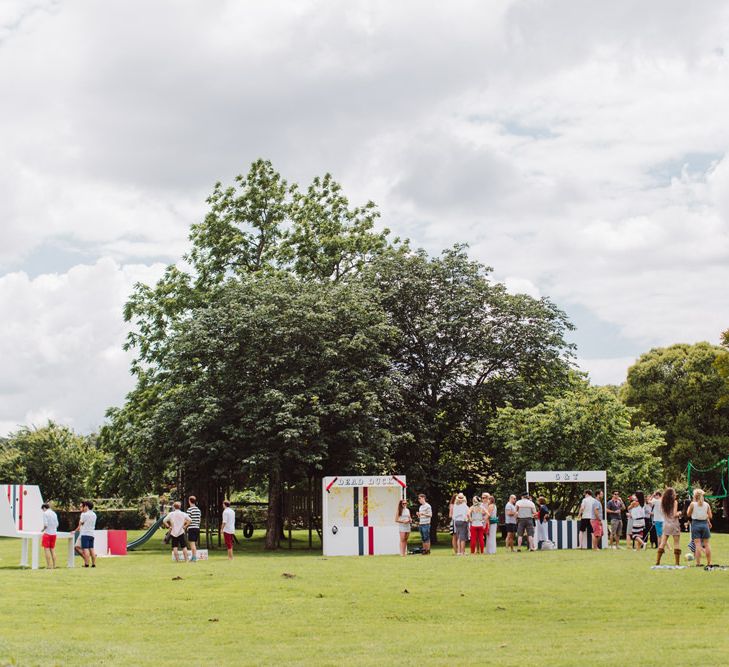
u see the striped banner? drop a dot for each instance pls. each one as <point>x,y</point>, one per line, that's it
<point>564,534</point>
<point>16,493</point>
<point>366,533</point>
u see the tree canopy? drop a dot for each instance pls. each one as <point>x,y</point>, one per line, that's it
<point>586,428</point>
<point>53,457</point>
<point>680,390</point>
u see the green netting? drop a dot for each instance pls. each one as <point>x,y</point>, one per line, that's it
<point>713,480</point>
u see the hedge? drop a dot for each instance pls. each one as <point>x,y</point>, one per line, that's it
<point>119,519</point>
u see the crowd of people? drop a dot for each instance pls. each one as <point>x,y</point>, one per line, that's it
<point>183,531</point>
<point>653,519</point>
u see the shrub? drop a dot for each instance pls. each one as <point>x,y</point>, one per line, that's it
<point>116,519</point>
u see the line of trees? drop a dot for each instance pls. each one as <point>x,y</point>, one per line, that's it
<point>295,340</point>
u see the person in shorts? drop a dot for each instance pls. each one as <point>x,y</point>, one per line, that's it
<point>510,521</point>
<point>227,527</point>
<point>177,521</point>
<point>596,521</point>
<point>50,533</point>
<point>586,514</point>
<point>526,511</point>
<point>671,526</point>
<point>699,511</point>
<point>615,509</point>
<point>425,513</point>
<point>86,527</point>
<point>460,523</point>
<point>402,519</point>
<point>193,529</point>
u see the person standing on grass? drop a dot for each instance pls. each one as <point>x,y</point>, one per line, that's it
<point>699,511</point>
<point>615,507</point>
<point>492,525</point>
<point>177,521</point>
<point>510,521</point>
<point>542,521</point>
<point>671,526</point>
<point>657,507</point>
<point>87,526</point>
<point>648,528</point>
<point>454,539</point>
<point>526,510</point>
<point>402,518</point>
<point>460,523</point>
<point>425,514</point>
<point>637,526</point>
<point>50,533</point>
<point>227,527</point>
<point>477,519</point>
<point>586,514</point>
<point>193,529</point>
<point>596,522</point>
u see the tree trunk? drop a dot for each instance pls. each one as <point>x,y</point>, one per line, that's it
<point>274,523</point>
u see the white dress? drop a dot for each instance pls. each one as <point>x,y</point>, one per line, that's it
<point>493,529</point>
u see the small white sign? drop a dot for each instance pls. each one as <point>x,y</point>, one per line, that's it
<point>364,480</point>
<point>566,476</point>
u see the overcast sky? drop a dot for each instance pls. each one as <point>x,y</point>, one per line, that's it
<point>579,147</point>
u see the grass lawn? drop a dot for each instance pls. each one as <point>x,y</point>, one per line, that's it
<point>551,608</point>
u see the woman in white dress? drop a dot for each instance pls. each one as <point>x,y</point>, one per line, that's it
<point>493,515</point>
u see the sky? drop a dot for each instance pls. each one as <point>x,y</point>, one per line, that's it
<point>579,147</point>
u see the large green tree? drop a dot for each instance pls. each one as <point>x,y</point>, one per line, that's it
<point>465,347</point>
<point>587,428</point>
<point>277,380</point>
<point>259,228</point>
<point>680,390</point>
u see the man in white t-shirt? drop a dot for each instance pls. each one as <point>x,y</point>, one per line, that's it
<point>526,510</point>
<point>586,514</point>
<point>87,526</point>
<point>177,521</point>
<point>227,527</point>
<point>50,532</point>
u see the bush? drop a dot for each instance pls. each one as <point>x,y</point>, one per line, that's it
<point>117,519</point>
<point>122,519</point>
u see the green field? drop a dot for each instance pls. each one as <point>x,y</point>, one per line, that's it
<point>553,608</point>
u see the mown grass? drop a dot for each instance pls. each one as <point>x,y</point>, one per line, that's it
<point>551,608</point>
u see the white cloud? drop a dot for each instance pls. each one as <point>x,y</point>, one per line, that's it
<point>579,147</point>
<point>63,335</point>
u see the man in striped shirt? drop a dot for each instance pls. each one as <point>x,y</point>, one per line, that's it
<point>193,530</point>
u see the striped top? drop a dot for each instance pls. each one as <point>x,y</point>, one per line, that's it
<point>194,513</point>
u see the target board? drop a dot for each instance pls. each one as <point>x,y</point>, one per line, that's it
<point>358,514</point>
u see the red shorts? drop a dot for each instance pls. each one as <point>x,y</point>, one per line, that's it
<point>596,527</point>
<point>48,541</point>
<point>228,540</point>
